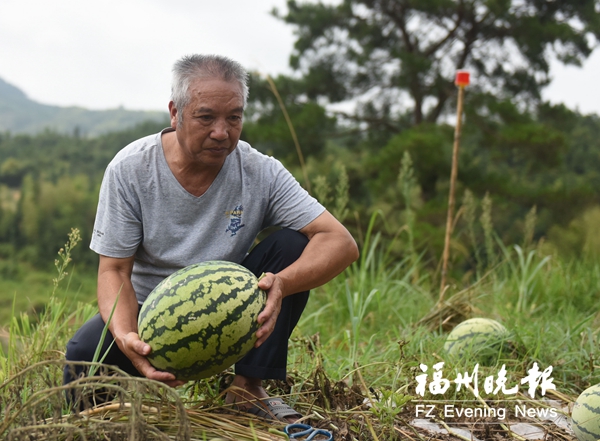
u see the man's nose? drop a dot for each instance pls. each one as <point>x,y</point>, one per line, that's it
<point>220,130</point>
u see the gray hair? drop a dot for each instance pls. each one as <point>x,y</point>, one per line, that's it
<point>192,67</point>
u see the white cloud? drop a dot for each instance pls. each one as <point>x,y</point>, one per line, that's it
<point>120,52</point>
<point>576,87</point>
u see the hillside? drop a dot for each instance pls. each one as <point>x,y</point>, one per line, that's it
<point>19,114</point>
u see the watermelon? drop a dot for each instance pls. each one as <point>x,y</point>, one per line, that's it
<point>201,319</point>
<point>483,338</point>
<point>585,418</point>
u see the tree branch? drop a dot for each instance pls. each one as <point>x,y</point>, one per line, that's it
<point>373,121</point>
<point>433,48</point>
<point>398,16</point>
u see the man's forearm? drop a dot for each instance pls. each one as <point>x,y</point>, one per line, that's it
<point>114,285</point>
<point>320,262</point>
<point>328,252</point>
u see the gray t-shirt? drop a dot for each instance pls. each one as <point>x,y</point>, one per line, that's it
<point>143,210</point>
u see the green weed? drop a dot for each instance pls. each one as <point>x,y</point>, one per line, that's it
<point>357,351</point>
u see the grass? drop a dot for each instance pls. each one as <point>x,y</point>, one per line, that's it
<point>29,291</point>
<point>353,360</point>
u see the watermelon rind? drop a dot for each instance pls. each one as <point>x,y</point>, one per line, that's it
<point>201,319</point>
<point>585,417</point>
<point>483,339</point>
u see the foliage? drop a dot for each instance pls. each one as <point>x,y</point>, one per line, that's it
<point>524,160</point>
<point>580,238</point>
<point>430,149</point>
<point>265,127</point>
<point>48,184</point>
<point>71,201</point>
<point>38,331</point>
<point>50,154</point>
<point>353,363</point>
<point>393,55</point>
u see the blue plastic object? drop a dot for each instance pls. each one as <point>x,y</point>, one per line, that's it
<point>299,431</point>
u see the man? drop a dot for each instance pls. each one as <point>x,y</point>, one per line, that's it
<point>195,192</point>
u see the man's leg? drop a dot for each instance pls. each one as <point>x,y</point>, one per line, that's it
<point>269,361</point>
<point>82,347</point>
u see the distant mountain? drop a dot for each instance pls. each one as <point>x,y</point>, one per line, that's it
<point>19,114</point>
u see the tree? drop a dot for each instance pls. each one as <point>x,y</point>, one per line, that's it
<point>394,55</point>
<point>430,149</point>
<point>47,212</point>
<point>265,126</point>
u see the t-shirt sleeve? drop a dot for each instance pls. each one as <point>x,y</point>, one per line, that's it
<point>118,225</point>
<point>290,205</point>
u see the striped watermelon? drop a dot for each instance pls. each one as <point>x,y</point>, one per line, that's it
<point>481,337</point>
<point>201,319</point>
<point>585,418</point>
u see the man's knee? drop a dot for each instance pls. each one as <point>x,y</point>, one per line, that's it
<point>292,243</point>
<point>82,346</point>
<point>293,238</point>
<point>79,352</point>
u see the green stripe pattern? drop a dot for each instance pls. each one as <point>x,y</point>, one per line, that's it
<point>201,319</point>
<point>475,335</point>
<point>585,418</point>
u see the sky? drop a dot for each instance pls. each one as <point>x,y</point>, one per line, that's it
<point>111,53</point>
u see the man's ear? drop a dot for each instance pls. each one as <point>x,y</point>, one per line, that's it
<point>173,114</point>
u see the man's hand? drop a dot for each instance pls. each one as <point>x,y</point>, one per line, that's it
<point>273,285</point>
<point>114,286</point>
<point>137,351</point>
<point>330,250</point>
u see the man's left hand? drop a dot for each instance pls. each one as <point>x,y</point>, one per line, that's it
<point>273,285</point>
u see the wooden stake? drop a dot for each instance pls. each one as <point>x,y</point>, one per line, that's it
<point>453,174</point>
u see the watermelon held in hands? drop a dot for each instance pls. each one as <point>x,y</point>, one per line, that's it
<point>201,319</point>
<point>585,417</point>
<point>484,339</point>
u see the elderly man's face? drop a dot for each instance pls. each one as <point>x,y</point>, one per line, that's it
<point>211,123</point>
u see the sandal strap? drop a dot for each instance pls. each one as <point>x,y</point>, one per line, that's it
<point>279,408</point>
<point>270,408</point>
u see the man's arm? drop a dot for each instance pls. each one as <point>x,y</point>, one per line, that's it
<point>114,279</point>
<point>330,249</point>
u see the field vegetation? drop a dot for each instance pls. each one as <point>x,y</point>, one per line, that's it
<point>355,355</point>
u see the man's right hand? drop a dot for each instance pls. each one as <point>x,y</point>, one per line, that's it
<point>137,351</point>
<point>114,286</point>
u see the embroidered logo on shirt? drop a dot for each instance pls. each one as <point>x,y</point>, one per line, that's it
<point>235,220</point>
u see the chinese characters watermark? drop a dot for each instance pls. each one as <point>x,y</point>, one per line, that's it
<point>492,385</point>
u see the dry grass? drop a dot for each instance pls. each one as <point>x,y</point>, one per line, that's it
<point>142,409</point>
<point>372,401</point>
<point>448,312</point>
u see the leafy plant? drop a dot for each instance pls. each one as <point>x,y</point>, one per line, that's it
<point>524,272</point>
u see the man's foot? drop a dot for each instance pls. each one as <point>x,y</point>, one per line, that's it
<point>248,395</point>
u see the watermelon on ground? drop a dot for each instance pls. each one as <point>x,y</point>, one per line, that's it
<point>201,319</point>
<point>585,418</point>
<point>483,338</point>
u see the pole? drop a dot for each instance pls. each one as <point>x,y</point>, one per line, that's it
<point>462,80</point>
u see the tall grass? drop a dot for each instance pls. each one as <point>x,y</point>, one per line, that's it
<point>367,320</point>
<point>355,354</point>
<point>33,338</point>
